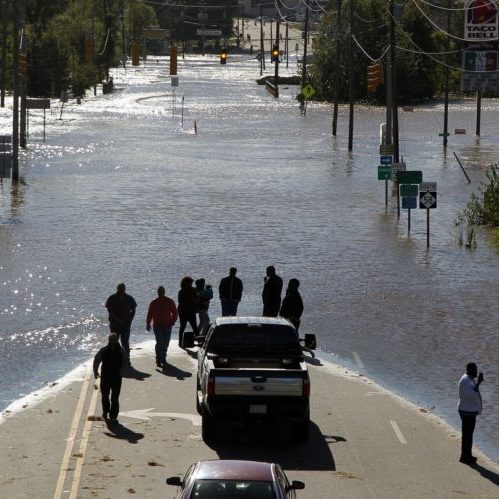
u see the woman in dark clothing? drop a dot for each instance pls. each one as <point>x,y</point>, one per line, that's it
<point>188,302</point>
<point>292,305</point>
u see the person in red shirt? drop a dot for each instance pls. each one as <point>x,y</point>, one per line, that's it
<point>163,315</point>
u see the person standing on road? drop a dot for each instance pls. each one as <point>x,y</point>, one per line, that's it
<point>163,314</point>
<point>271,294</point>
<point>469,406</point>
<point>292,304</point>
<point>205,294</point>
<point>188,303</point>
<point>230,291</point>
<point>113,359</point>
<point>121,308</point>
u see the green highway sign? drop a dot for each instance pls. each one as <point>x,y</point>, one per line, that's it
<point>384,172</point>
<point>408,190</point>
<point>410,177</point>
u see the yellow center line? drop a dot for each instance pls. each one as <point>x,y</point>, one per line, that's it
<point>83,446</point>
<point>71,438</point>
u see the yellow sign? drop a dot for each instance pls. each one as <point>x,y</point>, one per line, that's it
<point>308,91</point>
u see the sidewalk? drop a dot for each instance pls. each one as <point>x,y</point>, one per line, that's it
<point>364,441</point>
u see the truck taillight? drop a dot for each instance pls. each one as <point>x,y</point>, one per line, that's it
<point>306,387</point>
<point>211,386</point>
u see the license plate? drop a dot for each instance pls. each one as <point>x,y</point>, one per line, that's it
<point>258,409</point>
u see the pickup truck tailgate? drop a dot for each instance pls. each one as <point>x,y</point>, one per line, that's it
<point>259,384</point>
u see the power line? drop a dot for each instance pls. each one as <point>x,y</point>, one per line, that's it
<point>439,28</point>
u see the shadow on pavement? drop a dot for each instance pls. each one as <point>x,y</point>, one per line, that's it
<point>117,430</point>
<point>313,361</point>
<point>488,474</point>
<point>174,372</point>
<point>131,372</point>
<point>274,443</point>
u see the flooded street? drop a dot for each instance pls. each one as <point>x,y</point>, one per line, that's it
<point>121,191</point>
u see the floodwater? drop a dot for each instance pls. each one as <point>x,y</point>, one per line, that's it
<point>122,191</point>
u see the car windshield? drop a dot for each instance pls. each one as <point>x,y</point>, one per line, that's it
<point>272,339</point>
<point>232,489</point>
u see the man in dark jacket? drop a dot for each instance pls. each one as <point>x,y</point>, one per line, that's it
<point>292,305</point>
<point>271,294</point>
<point>113,358</point>
<point>121,308</point>
<point>230,291</point>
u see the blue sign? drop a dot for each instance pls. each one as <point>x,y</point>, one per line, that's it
<point>409,202</point>
<point>386,160</point>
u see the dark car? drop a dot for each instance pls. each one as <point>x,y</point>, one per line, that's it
<point>230,479</point>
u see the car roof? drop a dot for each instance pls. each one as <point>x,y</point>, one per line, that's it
<point>279,321</point>
<point>228,469</point>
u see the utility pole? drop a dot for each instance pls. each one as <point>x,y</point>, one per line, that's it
<point>446,99</point>
<point>286,48</point>
<point>304,63</point>
<point>478,110</point>
<point>15,85</point>
<point>3,66</point>
<point>262,45</point>
<point>271,40</point>
<point>123,38</point>
<point>276,73</point>
<point>395,119</point>
<point>23,49</point>
<point>350,78</point>
<point>338,67</point>
<point>22,80</point>
<point>93,41</point>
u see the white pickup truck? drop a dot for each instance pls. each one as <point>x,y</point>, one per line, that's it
<point>253,367</point>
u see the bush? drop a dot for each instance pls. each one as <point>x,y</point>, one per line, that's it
<point>483,208</point>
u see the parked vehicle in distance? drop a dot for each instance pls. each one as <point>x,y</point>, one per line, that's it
<point>231,479</point>
<point>253,368</point>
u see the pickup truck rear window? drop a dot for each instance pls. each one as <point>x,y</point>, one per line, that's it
<point>260,338</point>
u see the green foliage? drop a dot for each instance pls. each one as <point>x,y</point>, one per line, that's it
<point>48,70</point>
<point>418,76</point>
<point>483,208</point>
<point>57,30</point>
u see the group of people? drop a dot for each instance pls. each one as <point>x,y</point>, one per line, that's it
<point>193,301</point>
<point>194,298</point>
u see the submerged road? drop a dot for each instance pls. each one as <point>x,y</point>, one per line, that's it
<point>364,441</point>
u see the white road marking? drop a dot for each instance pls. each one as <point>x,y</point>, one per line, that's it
<point>397,431</point>
<point>357,358</point>
<point>146,415</point>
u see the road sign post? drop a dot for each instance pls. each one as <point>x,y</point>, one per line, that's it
<point>428,201</point>
<point>385,173</point>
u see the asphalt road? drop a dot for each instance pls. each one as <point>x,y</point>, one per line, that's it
<point>364,441</point>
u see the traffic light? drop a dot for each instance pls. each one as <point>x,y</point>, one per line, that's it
<point>223,56</point>
<point>275,54</point>
<point>374,77</point>
<point>22,65</point>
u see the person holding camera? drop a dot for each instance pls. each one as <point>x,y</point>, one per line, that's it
<point>469,406</point>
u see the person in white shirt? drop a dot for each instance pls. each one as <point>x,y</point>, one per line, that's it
<point>469,406</point>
